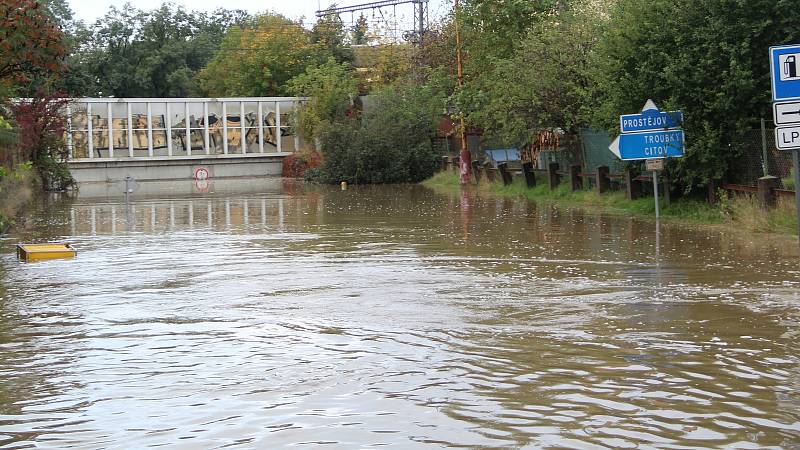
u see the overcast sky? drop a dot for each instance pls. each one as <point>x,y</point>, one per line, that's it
<point>90,10</point>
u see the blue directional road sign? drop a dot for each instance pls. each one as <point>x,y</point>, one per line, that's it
<point>648,145</point>
<point>651,120</point>
<point>785,72</point>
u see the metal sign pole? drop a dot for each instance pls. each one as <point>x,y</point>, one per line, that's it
<point>655,190</point>
<point>796,161</point>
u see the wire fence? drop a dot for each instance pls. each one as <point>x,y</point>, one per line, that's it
<point>760,157</point>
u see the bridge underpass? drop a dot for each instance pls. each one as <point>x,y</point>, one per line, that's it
<point>146,139</point>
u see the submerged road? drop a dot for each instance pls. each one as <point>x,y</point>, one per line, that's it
<point>285,315</point>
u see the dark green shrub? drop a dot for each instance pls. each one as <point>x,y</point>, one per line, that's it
<point>391,143</point>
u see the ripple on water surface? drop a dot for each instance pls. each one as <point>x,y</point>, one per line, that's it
<point>393,316</point>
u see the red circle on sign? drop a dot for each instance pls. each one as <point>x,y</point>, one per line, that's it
<point>201,173</point>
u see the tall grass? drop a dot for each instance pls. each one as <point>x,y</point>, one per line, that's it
<point>743,212</point>
<point>16,190</point>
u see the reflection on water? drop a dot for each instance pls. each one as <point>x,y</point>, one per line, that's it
<point>286,315</point>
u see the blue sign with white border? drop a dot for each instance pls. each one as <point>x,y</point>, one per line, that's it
<point>650,120</point>
<point>663,137</point>
<point>648,145</point>
<point>785,72</point>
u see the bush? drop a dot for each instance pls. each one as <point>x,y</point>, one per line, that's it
<point>16,190</point>
<point>390,144</point>
<point>42,128</point>
<point>330,87</point>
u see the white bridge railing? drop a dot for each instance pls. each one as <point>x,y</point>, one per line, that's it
<point>100,128</point>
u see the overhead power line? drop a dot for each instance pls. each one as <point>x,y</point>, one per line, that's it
<point>420,12</point>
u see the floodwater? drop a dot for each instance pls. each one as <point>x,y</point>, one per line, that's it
<point>268,314</point>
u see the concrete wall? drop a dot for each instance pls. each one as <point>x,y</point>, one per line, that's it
<point>177,168</point>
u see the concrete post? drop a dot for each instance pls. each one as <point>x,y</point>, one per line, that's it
<point>767,197</point>
<point>575,177</point>
<point>487,167</point>
<point>553,178</point>
<point>603,182</point>
<point>445,162</point>
<point>476,170</point>
<point>504,173</point>
<point>530,177</point>
<point>712,197</point>
<point>633,187</point>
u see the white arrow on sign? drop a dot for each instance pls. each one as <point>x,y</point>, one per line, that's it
<point>649,104</point>
<point>787,138</point>
<point>786,113</point>
<point>614,147</point>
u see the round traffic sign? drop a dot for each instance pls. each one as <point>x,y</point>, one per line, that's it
<point>201,173</point>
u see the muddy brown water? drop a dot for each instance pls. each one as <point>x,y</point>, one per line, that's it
<point>268,314</point>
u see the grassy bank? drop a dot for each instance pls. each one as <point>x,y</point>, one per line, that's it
<point>17,188</point>
<point>741,212</point>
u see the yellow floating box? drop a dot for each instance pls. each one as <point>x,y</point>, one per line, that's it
<point>35,252</point>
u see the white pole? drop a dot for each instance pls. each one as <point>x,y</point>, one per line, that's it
<point>188,129</point>
<point>110,130</point>
<point>260,127</point>
<point>93,211</point>
<point>130,131</point>
<point>149,129</point>
<point>243,140</point>
<point>263,212</point>
<point>69,132</point>
<point>224,128</point>
<point>89,130</point>
<point>295,134</point>
<point>796,163</point>
<point>206,141</point>
<point>655,190</point>
<point>280,214</point>
<point>133,218</point>
<point>169,129</point>
<point>278,133</point>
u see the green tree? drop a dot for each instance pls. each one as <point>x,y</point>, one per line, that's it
<point>331,89</point>
<point>31,44</point>
<point>328,36</point>
<point>492,27</point>
<point>547,82</point>
<point>491,32</point>
<point>135,53</point>
<point>259,58</point>
<point>358,32</point>
<point>705,57</point>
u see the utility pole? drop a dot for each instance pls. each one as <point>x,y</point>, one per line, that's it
<point>420,20</point>
<point>465,159</point>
